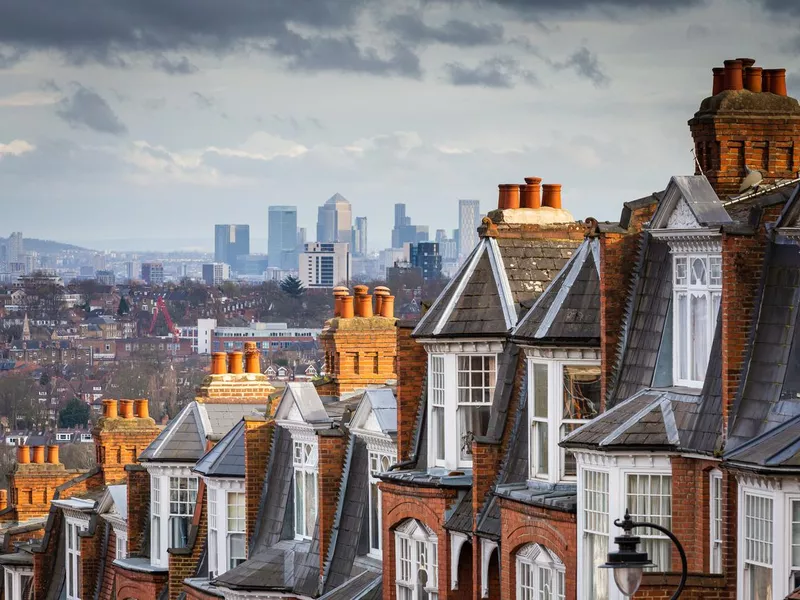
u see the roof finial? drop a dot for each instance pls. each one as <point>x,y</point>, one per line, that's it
<point>488,228</point>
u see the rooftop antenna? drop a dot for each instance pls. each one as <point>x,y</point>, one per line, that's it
<point>697,162</point>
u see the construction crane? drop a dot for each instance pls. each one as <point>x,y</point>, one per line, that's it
<point>161,307</point>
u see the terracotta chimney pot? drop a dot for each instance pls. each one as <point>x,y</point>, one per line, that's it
<point>778,82</point>
<point>347,307</point>
<point>110,409</point>
<point>52,455</point>
<point>142,406</point>
<point>387,307</point>
<point>38,455</point>
<point>364,306</point>
<point>338,293</point>
<point>502,196</point>
<point>23,455</point>
<point>733,75</point>
<point>531,196</point>
<point>766,80</point>
<point>752,79</point>
<point>361,290</point>
<point>3,499</point>
<point>552,195</point>
<point>719,80</point>
<point>126,409</point>
<point>235,365</point>
<point>252,358</point>
<point>380,292</point>
<point>218,363</point>
<point>512,195</point>
<point>747,62</point>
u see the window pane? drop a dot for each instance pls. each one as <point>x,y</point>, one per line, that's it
<point>650,499</point>
<point>581,392</point>
<point>570,468</point>
<point>715,270</point>
<point>541,454</point>
<point>796,534</point>
<point>311,502</point>
<point>698,272</point>
<point>539,390</point>
<point>299,495</point>
<point>759,582</point>
<point>680,271</point>
<point>683,336</point>
<point>437,414</point>
<point>236,550</point>
<point>473,420</point>
<point>700,342</point>
<point>374,523</point>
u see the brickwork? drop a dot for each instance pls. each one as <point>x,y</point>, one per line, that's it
<point>132,585</point>
<point>119,441</point>
<point>195,594</point>
<point>138,509</point>
<point>555,530</point>
<point>257,444</point>
<point>427,505</point>
<point>412,366</point>
<point>183,562</point>
<point>109,572</point>
<point>44,561</point>
<point>235,388</point>
<point>332,450</point>
<point>91,544</point>
<point>33,486</point>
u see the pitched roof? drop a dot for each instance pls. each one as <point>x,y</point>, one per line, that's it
<point>689,201</point>
<point>777,448</point>
<point>569,310</point>
<point>301,402</point>
<point>377,411</point>
<point>226,459</point>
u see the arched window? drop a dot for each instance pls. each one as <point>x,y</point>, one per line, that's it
<point>417,562</point>
<point>540,574</point>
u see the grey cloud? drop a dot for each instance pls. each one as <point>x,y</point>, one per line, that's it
<point>412,29</point>
<point>87,109</point>
<point>180,66</point>
<point>534,8</point>
<point>10,57</point>
<point>585,64</point>
<point>202,100</point>
<point>697,32</point>
<point>498,72</point>
<point>155,103</point>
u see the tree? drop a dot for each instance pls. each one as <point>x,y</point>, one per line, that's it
<point>74,413</point>
<point>77,456</point>
<point>292,287</point>
<point>123,308</point>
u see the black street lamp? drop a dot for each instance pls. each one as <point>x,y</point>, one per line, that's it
<point>628,564</point>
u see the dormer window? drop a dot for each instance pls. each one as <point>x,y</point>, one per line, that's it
<point>305,489</point>
<point>697,290</point>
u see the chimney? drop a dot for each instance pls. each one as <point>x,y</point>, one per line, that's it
<point>364,306</point>
<point>733,75</point>
<point>235,363</point>
<point>126,409</point>
<point>778,82</point>
<point>747,62</point>
<point>110,409</point>
<point>38,455</point>
<point>719,80</point>
<point>218,363</point>
<point>387,307</point>
<point>752,79</point>
<point>339,292</point>
<point>52,455</point>
<point>380,293</point>
<point>512,195</point>
<point>766,80</point>
<point>23,455</point>
<point>142,407</point>
<point>531,196</point>
<point>252,358</point>
<point>3,499</point>
<point>552,195</point>
<point>502,196</point>
<point>347,307</point>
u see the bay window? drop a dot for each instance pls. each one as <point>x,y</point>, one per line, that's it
<point>715,520</point>
<point>213,534</point>
<point>417,562</point>
<point>236,541</point>
<point>460,392</point>
<point>794,552</point>
<point>17,580</point>
<point>758,561</point>
<point>540,574</point>
<point>378,463</point>
<point>121,544</point>
<point>226,525</point>
<point>697,290</point>
<point>155,519</point>
<point>305,488</point>
<point>182,498</point>
<point>649,498</point>
<point>595,521</point>
<point>73,557</point>
<point>562,395</point>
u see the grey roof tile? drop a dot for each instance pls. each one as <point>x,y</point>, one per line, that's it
<point>226,459</point>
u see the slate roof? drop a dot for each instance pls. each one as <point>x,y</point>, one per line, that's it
<point>568,312</point>
<point>226,459</point>
<point>365,586</point>
<point>499,281</point>
<point>461,519</point>
<point>303,394</point>
<point>777,448</point>
<point>384,406</point>
<point>184,438</point>
<point>700,198</point>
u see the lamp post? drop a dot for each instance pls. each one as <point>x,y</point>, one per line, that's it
<point>628,564</point>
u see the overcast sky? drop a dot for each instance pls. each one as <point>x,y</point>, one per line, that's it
<point>144,122</point>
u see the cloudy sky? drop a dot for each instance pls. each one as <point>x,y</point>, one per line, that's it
<point>144,122</point>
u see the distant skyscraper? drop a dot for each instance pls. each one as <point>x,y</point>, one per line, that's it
<point>132,270</point>
<point>359,247</point>
<point>325,265</point>
<point>469,218</point>
<point>441,235</point>
<point>215,273</point>
<point>426,257</point>
<point>15,249</point>
<point>404,232</point>
<point>301,238</point>
<point>231,241</point>
<point>282,244</point>
<point>153,273</point>
<point>335,220</point>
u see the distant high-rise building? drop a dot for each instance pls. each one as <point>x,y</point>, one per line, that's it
<point>359,247</point>
<point>302,237</point>
<point>104,277</point>
<point>215,273</point>
<point>426,257</point>
<point>230,242</point>
<point>469,218</point>
<point>131,270</point>
<point>325,265</point>
<point>404,232</point>
<point>15,249</point>
<point>334,220</point>
<point>153,273</point>
<point>441,235</point>
<point>282,244</point>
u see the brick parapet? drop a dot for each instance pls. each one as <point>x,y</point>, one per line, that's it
<point>138,509</point>
<point>332,451</point>
<point>91,545</point>
<point>412,367</point>
<point>141,586</point>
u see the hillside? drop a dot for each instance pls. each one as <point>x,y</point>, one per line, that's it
<point>48,246</point>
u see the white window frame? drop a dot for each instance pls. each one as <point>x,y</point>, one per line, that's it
<point>305,462</point>
<point>379,462</point>
<point>663,515</point>
<point>121,546</point>
<point>72,546</point>
<point>553,422</point>
<point>219,492</point>
<point>235,508</point>
<point>540,574</point>
<point>161,512</point>
<point>213,532</point>
<point>184,499</point>
<point>448,402</point>
<point>794,540</point>
<point>15,582</point>
<point>685,286</point>
<point>715,522</point>
<point>416,550</point>
<point>766,539</point>
<point>600,507</point>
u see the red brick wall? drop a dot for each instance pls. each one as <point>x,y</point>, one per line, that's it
<point>44,561</point>
<point>257,444</point>
<point>138,509</point>
<point>118,442</point>
<point>109,572</point>
<point>139,586</point>
<point>521,525</point>
<point>33,486</point>
<point>91,553</point>
<point>412,367</point>
<point>332,450</point>
<point>427,505</point>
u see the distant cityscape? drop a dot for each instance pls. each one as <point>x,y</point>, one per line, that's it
<point>341,252</point>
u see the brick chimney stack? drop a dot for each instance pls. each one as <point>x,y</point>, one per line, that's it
<point>749,122</point>
<point>236,378</point>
